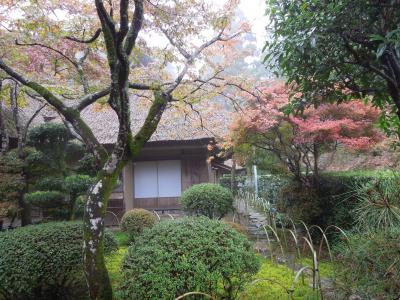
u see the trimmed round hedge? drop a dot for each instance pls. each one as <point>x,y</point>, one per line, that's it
<point>207,199</point>
<point>135,221</point>
<point>185,255</point>
<point>45,261</point>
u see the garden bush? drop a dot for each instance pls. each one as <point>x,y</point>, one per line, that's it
<point>331,200</point>
<point>135,221</point>
<point>44,261</point>
<point>369,266</point>
<point>46,199</point>
<point>78,184</point>
<point>54,204</point>
<point>207,199</point>
<point>50,184</point>
<point>185,255</point>
<point>300,203</point>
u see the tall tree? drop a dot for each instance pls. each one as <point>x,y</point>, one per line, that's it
<point>50,43</point>
<point>339,50</point>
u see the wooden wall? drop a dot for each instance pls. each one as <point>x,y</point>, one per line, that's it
<point>195,169</point>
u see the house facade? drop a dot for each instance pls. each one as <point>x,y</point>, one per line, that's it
<point>156,179</point>
<point>181,152</point>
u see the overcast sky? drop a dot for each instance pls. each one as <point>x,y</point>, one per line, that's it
<point>254,11</point>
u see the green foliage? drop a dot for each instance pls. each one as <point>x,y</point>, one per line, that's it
<point>338,51</point>
<point>50,184</point>
<point>113,265</point>
<point>370,264</point>
<point>78,184</point>
<point>273,281</point>
<point>331,201</point>
<point>74,151</point>
<point>300,203</point>
<point>185,255</point>
<point>87,165</point>
<point>38,164</point>
<point>79,207</point>
<point>45,199</point>
<point>45,136</point>
<point>133,222</point>
<point>122,238</point>
<point>44,261</point>
<point>378,203</point>
<point>207,199</point>
<point>11,182</point>
<point>53,203</point>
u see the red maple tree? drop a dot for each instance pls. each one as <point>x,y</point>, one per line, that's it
<point>298,140</point>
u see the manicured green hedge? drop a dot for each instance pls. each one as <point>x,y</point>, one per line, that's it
<point>185,255</point>
<point>44,261</point>
<point>207,199</point>
<point>133,222</point>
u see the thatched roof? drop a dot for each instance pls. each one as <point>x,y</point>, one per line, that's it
<point>208,121</point>
<point>175,124</point>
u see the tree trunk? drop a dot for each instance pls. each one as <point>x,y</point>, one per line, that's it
<point>233,177</point>
<point>26,217</point>
<point>316,158</point>
<point>3,131</point>
<point>24,207</point>
<point>93,246</point>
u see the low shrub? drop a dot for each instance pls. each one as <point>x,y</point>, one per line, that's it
<point>44,261</point>
<point>369,265</point>
<point>331,200</point>
<point>185,255</point>
<point>300,203</point>
<point>133,222</point>
<point>207,199</point>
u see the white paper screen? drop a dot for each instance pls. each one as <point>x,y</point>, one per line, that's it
<point>145,178</point>
<point>157,179</point>
<point>169,178</point>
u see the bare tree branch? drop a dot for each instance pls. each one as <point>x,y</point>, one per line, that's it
<point>136,25</point>
<point>88,41</point>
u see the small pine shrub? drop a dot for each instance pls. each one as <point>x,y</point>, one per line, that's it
<point>78,184</point>
<point>45,199</point>
<point>207,199</point>
<point>368,265</point>
<point>185,255</point>
<point>50,184</point>
<point>378,203</point>
<point>133,222</point>
<point>45,261</point>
